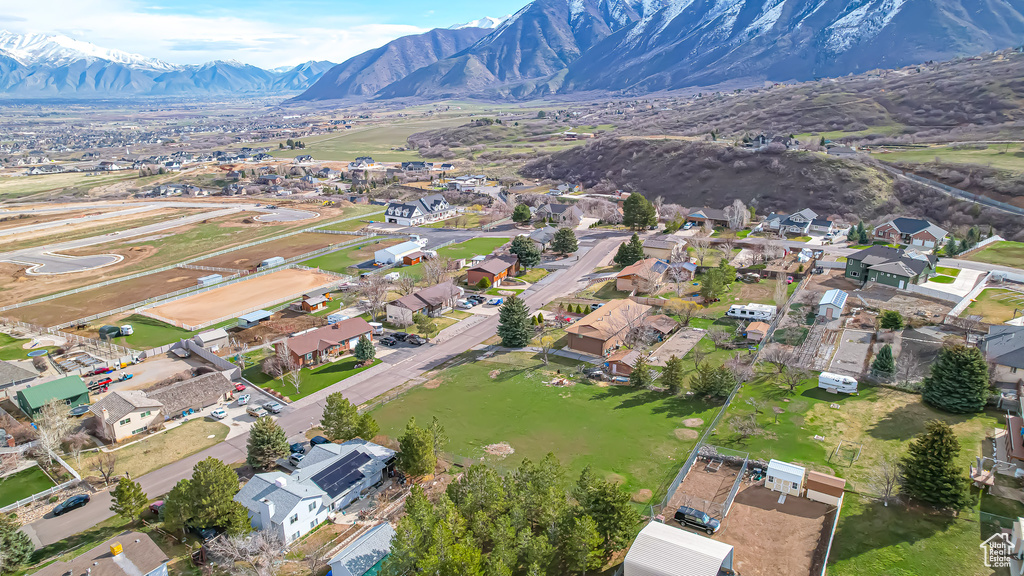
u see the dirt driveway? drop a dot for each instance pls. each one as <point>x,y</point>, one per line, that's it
<point>678,345</point>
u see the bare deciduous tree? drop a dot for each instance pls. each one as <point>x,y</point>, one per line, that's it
<point>774,249</point>
<point>437,270</point>
<point>792,376</point>
<point>777,356</point>
<point>701,248</point>
<point>405,284</point>
<point>683,309</point>
<point>967,324</point>
<point>726,247</point>
<point>650,278</point>
<point>756,404</point>
<point>374,288</point>
<point>909,368</point>
<point>257,554</point>
<point>104,465</point>
<point>547,343</point>
<point>719,337</point>
<point>777,410</point>
<point>737,214</point>
<point>53,423</point>
<point>746,426</point>
<point>75,444</point>
<point>781,293</point>
<point>741,369</point>
<point>885,478</point>
<point>698,355</point>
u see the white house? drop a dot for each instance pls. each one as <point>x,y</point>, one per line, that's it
<point>661,550</point>
<point>832,303</point>
<point>329,478</point>
<point>433,208</point>
<point>785,477</point>
<point>394,254</point>
<point>367,551</point>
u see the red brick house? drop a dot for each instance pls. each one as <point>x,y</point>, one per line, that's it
<point>494,269</point>
<point>317,345</point>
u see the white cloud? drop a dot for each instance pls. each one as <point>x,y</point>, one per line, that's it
<point>190,39</point>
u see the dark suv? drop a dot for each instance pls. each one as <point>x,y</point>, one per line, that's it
<point>692,517</point>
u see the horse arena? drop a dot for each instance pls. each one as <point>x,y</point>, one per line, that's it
<point>241,297</point>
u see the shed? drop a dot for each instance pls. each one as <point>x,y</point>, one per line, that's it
<point>758,331</point>
<point>395,253</point>
<point>254,318</point>
<point>210,280</point>
<point>825,488</point>
<point>363,555</point>
<point>70,389</point>
<point>271,262</point>
<point>832,303</point>
<point>212,338</point>
<point>661,550</point>
<point>412,258</point>
<point>784,477</point>
<point>621,362</point>
<point>315,303</point>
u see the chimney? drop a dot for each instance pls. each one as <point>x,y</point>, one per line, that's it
<point>106,416</point>
<point>10,441</point>
<point>266,512</point>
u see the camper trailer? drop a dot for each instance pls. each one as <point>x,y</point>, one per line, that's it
<point>764,312</point>
<point>270,263</point>
<point>837,382</point>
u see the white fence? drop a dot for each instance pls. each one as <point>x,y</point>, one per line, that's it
<point>213,269</point>
<point>933,293</point>
<point>48,492</point>
<point>112,350</point>
<point>966,301</point>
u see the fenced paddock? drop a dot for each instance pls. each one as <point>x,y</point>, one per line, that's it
<point>710,484</point>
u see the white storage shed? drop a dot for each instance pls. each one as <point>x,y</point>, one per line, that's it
<point>661,550</point>
<point>386,256</point>
<point>212,338</point>
<point>210,280</point>
<point>825,488</point>
<point>785,477</point>
<point>832,303</point>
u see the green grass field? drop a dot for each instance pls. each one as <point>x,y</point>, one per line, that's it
<point>946,271</point>
<point>24,484</point>
<point>149,333</point>
<point>1001,253</point>
<point>11,348</point>
<point>16,187</point>
<point>312,380</point>
<point>624,434</point>
<point>1007,157</point>
<point>462,221</point>
<point>471,248</point>
<point>368,213</point>
<point>942,279</point>
<point>996,305</point>
<point>376,140</point>
<point>341,260</point>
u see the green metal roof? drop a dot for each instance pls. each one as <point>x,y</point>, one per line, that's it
<point>62,388</point>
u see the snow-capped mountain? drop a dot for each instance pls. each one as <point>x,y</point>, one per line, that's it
<point>41,65</point>
<point>487,23</point>
<point>57,50</point>
<point>638,46</point>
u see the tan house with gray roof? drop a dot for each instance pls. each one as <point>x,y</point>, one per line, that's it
<point>123,414</point>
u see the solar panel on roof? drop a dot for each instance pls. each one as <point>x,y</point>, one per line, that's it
<point>342,475</point>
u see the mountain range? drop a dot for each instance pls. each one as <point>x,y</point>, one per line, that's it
<point>642,46</point>
<point>55,66</point>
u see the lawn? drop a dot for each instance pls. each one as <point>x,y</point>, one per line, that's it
<point>23,484</point>
<point>11,348</point>
<point>368,213</point>
<point>603,291</point>
<point>801,239</point>
<point>1001,253</point>
<point>945,271</point>
<point>498,291</point>
<point>313,380</point>
<point>471,248</point>
<point>634,437</point>
<point>471,220</point>
<point>872,539</point>
<point>996,305</point>
<point>942,279</point>
<point>161,449</point>
<point>743,233</point>
<point>149,333</point>
<point>533,275</point>
<point>341,260</point>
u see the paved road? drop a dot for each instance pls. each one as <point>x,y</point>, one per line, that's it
<point>49,260</point>
<point>396,369</point>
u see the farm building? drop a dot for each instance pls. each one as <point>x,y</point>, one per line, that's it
<point>661,550</point>
<point>825,488</point>
<point>69,390</point>
<point>270,263</point>
<point>621,362</point>
<point>212,338</point>
<point>394,254</point>
<point>785,477</point>
<point>254,318</point>
<point>413,258</point>
<point>758,331</point>
<point>832,303</point>
<point>210,280</point>
<point>365,553</point>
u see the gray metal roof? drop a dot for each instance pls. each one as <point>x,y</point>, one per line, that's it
<point>363,554</point>
<point>1004,345</point>
<point>12,374</point>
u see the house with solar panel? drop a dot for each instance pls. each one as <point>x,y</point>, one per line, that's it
<point>328,480</point>
<point>433,208</point>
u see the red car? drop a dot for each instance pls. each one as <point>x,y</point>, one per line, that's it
<point>239,387</point>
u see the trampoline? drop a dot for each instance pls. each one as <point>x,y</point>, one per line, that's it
<point>37,353</point>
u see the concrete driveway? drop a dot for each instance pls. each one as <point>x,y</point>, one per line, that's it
<point>854,347</point>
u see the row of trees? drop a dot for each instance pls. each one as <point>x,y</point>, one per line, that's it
<point>531,521</point>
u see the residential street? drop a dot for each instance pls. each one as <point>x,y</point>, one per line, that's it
<point>396,370</point>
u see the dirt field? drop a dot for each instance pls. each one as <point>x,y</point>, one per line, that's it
<point>248,258</point>
<point>704,490</point>
<point>913,307</point>
<point>106,298</point>
<point>237,298</point>
<point>773,539</point>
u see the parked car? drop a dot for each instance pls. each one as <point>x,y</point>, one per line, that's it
<point>295,458</point>
<point>156,506</point>
<point>388,341</point>
<point>416,340</point>
<point>687,516</point>
<point>204,534</point>
<point>789,279</point>
<point>219,413</point>
<point>596,305</point>
<point>317,440</point>
<point>464,304</point>
<point>400,336</point>
<point>256,411</point>
<point>495,301</point>
<point>297,448</point>
<point>239,387</point>
<point>70,504</point>
<point>595,373</point>
<point>243,399</point>
<point>477,298</point>
<point>273,407</point>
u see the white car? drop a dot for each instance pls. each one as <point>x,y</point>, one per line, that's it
<point>243,399</point>
<point>219,413</point>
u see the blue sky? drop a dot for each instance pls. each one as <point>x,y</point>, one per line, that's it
<point>266,33</point>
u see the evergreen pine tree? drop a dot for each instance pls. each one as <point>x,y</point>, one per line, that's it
<point>129,500</point>
<point>641,377</point>
<point>514,323</point>
<point>630,252</point>
<point>638,213</point>
<point>417,444</point>
<point>930,471</point>
<point>951,247</point>
<point>564,241</point>
<point>672,376</point>
<point>365,352</point>
<point>526,250</point>
<point>884,364</point>
<point>267,443</point>
<point>341,419</point>
<point>521,214</point>
<point>958,382</point>
<point>16,545</point>
<point>213,487</point>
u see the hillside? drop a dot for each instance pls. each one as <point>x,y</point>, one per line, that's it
<point>708,174</point>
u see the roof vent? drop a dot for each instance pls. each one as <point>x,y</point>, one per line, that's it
<point>281,482</point>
